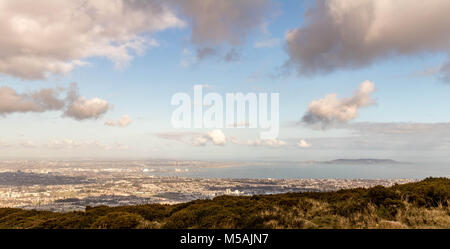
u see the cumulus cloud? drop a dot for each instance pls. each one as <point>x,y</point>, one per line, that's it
<point>218,23</point>
<point>87,108</point>
<point>200,140</point>
<point>340,34</point>
<point>49,37</point>
<point>217,137</point>
<point>46,99</point>
<point>303,144</point>
<point>331,109</point>
<point>124,121</point>
<point>81,108</point>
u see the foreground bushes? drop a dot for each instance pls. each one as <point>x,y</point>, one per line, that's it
<point>423,204</point>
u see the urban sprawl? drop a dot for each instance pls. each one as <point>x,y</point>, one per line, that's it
<point>73,185</point>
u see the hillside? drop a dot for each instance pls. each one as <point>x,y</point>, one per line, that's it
<point>423,204</point>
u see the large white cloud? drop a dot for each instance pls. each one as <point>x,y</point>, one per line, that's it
<point>343,34</point>
<point>38,38</point>
<point>331,109</point>
<point>52,37</point>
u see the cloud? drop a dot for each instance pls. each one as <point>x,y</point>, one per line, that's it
<point>81,108</point>
<point>28,144</point>
<point>389,137</point>
<point>268,142</point>
<point>339,34</point>
<point>232,55</point>
<point>177,136</point>
<point>38,101</point>
<point>303,144</point>
<point>48,99</point>
<point>258,142</point>
<point>215,137</point>
<point>64,144</point>
<point>4,143</point>
<point>118,146</point>
<point>219,23</point>
<point>124,121</point>
<point>200,140</point>
<point>330,109</point>
<point>23,144</point>
<point>45,38</point>
<point>69,144</point>
<point>400,128</point>
<point>38,39</point>
<point>269,43</point>
<point>444,72</point>
<point>187,58</point>
<point>428,71</point>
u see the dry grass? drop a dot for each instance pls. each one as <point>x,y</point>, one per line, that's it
<point>320,215</point>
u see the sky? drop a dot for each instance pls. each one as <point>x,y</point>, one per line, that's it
<point>95,78</point>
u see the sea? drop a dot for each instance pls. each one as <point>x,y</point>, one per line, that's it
<point>314,171</point>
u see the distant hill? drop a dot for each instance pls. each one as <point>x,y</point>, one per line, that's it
<point>423,204</point>
<point>363,161</point>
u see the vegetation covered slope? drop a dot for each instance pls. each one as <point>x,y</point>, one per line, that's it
<point>423,204</point>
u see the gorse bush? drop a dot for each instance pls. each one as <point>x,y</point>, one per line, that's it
<point>423,204</point>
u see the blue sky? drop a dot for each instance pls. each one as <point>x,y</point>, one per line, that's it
<point>143,88</point>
